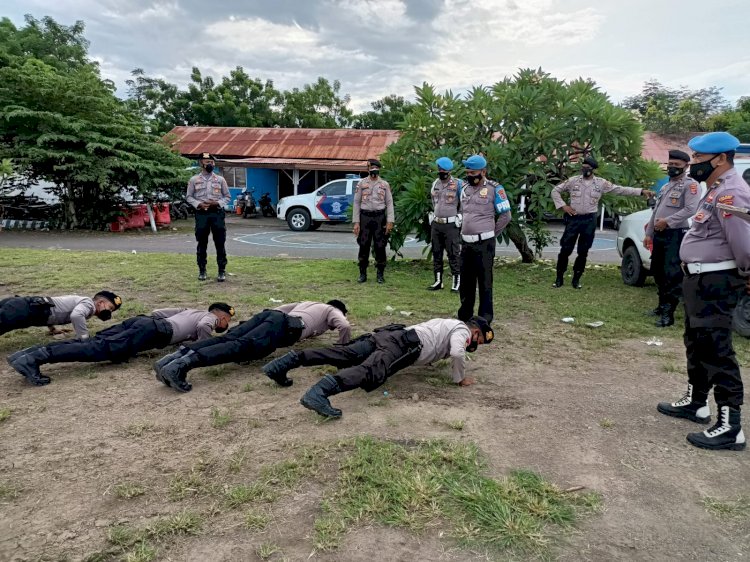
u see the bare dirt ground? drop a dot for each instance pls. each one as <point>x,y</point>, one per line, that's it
<point>579,418</point>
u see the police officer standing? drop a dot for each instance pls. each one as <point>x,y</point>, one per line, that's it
<point>373,219</point>
<point>580,216</point>
<point>675,204</point>
<point>716,257</point>
<point>481,200</point>
<point>208,193</point>
<point>445,224</point>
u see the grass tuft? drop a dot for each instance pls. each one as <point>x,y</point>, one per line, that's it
<point>138,429</point>
<point>4,414</point>
<point>256,521</point>
<point>143,552</point>
<point>8,492</point>
<point>728,509</point>
<point>220,419</point>
<point>128,490</point>
<point>242,494</point>
<point>606,423</point>
<point>266,550</point>
<point>425,484</point>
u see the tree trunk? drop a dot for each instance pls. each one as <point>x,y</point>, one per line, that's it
<point>518,237</point>
<point>69,207</point>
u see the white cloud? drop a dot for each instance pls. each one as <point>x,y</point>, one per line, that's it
<point>259,37</point>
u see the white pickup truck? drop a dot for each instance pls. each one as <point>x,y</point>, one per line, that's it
<point>329,203</point>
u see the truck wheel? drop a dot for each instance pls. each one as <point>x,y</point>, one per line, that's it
<point>632,270</point>
<point>298,219</point>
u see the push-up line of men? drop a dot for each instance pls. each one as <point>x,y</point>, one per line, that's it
<point>365,362</point>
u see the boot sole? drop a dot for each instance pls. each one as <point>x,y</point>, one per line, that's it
<point>311,407</point>
<point>727,447</point>
<point>160,378</point>
<point>695,419</point>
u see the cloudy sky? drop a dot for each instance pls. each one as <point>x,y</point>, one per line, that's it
<point>381,47</point>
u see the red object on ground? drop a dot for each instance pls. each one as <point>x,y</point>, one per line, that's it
<point>161,214</point>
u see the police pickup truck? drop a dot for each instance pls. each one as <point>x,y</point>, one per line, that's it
<point>329,203</point>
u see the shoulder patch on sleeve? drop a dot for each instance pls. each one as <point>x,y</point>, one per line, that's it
<point>726,199</point>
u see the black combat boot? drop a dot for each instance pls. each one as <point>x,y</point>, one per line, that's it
<point>726,433</point>
<point>316,398</point>
<point>666,318</point>
<point>202,275</point>
<point>656,311</point>
<point>174,373</point>
<point>221,277</point>
<point>278,368</point>
<point>18,354</point>
<point>691,406</point>
<point>562,266</point>
<point>576,281</point>
<point>161,363</point>
<point>362,274</point>
<point>456,287</point>
<point>381,278</point>
<point>28,363</point>
<point>438,284</point>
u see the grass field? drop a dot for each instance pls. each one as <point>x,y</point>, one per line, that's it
<point>236,470</point>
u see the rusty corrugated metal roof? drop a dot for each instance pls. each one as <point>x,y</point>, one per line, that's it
<point>255,142</point>
<point>297,163</point>
<point>657,146</point>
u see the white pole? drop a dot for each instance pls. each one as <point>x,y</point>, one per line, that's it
<point>151,217</point>
<point>601,224</point>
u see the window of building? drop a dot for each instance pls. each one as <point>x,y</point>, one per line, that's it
<point>236,177</point>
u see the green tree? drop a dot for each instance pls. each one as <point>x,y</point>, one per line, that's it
<point>735,121</point>
<point>387,113</point>
<point>532,128</point>
<point>317,105</point>
<point>669,111</point>
<point>61,123</point>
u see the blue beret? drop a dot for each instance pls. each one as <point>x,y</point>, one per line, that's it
<point>714,143</point>
<point>444,163</point>
<point>475,162</point>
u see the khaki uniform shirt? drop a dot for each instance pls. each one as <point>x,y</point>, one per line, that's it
<point>479,205</point>
<point>204,187</point>
<point>443,338</point>
<point>318,319</point>
<point>72,309</point>
<point>446,196</point>
<point>586,193</point>
<point>676,203</point>
<point>188,324</point>
<point>717,235</point>
<point>373,195</point>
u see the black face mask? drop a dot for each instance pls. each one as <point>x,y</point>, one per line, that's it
<point>587,172</point>
<point>674,171</point>
<point>443,175</point>
<point>220,329</point>
<point>474,180</point>
<point>472,347</point>
<point>702,171</point>
<point>104,315</point>
<point>209,168</point>
<point>374,173</point>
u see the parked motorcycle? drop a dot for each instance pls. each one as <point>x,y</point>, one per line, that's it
<point>266,207</point>
<point>246,202</point>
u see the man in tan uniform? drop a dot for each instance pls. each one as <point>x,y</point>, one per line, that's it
<point>23,312</point>
<point>585,191</point>
<point>120,342</point>
<point>209,194</point>
<point>260,335</point>
<point>373,219</point>
<point>675,204</point>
